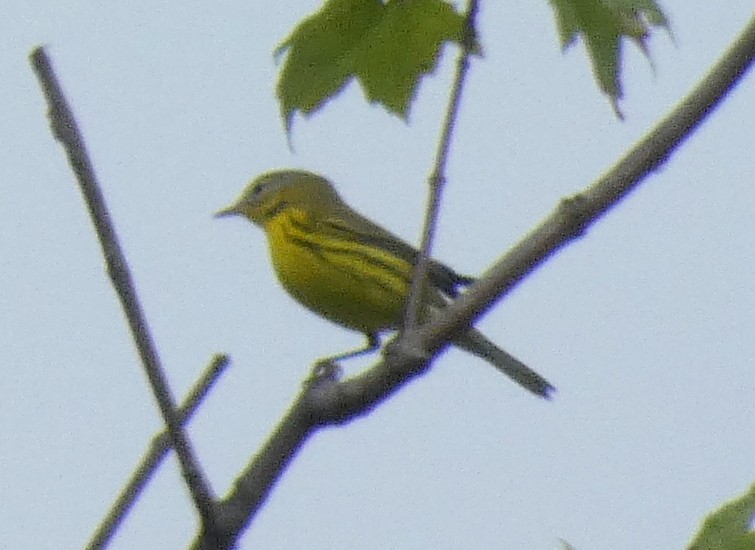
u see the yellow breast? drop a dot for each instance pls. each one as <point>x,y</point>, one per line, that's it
<point>356,285</point>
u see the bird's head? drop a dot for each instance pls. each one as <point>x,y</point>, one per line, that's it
<point>273,192</point>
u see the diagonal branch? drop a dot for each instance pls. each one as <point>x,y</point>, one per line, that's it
<point>328,401</point>
<point>575,214</point>
<point>159,448</point>
<point>66,131</point>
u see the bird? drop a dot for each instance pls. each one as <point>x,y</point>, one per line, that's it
<point>350,270</point>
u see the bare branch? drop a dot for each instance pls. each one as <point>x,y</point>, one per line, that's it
<point>66,131</point>
<point>328,401</point>
<point>161,444</point>
<point>574,215</point>
<point>438,177</point>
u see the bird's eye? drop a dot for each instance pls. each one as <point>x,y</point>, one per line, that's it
<point>258,191</point>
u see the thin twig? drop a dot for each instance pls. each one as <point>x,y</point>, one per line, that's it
<point>66,131</point>
<point>438,177</point>
<point>332,402</point>
<point>152,459</point>
<point>575,214</point>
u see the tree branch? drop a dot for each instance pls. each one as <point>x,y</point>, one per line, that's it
<point>66,131</point>
<point>328,401</point>
<point>161,444</point>
<point>575,214</point>
<point>437,179</point>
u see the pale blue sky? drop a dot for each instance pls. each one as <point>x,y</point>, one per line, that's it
<point>645,325</point>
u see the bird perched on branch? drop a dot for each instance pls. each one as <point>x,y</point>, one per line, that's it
<point>350,270</point>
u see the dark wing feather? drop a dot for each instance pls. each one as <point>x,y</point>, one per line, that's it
<point>350,224</point>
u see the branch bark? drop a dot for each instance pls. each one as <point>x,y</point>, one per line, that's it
<point>66,131</point>
<point>437,178</point>
<point>329,401</point>
<point>161,444</point>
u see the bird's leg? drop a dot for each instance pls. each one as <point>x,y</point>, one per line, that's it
<point>328,367</point>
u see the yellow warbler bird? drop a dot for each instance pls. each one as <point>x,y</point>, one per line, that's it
<point>350,270</point>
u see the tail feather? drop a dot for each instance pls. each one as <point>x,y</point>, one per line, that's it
<point>477,343</point>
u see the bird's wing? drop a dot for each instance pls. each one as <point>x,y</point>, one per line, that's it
<point>350,224</point>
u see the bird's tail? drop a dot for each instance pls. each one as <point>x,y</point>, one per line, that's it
<point>477,343</point>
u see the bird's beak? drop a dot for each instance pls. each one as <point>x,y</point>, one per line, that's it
<point>225,212</point>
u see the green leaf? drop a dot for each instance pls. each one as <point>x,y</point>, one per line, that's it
<point>386,47</point>
<point>728,527</point>
<point>603,24</point>
<point>320,54</point>
<point>404,46</point>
